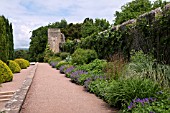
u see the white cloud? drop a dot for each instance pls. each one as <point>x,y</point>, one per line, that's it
<point>27,15</point>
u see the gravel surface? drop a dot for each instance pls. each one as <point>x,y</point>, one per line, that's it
<point>16,83</point>
<point>52,92</point>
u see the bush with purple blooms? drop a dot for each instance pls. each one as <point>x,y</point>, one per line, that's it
<point>53,63</point>
<point>76,75</point>
<point>131,94</point>
<point>61,63</point>
<point>69,70</point>
<point>121,92</point>
<point>62,68</point>
<point>149,105</point>
<point>139,101</point>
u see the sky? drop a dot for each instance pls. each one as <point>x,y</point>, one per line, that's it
<point>28,15</point>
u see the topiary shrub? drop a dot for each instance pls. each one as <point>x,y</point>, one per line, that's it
<point>5,73</point>
<point>83,56</point>
<point>22,63</point>
<point>27,62</point>
<point>15,68</point>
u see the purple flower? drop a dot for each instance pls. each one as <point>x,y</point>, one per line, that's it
<point>141,101</point>
<point>70,69</point>
<point>62,69</point>
<point>76,75</point>
<point>53,63</point>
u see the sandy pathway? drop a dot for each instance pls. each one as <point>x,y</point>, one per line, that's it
<point>17,80</point>
<point>51,92</point>
<point>16,83</point>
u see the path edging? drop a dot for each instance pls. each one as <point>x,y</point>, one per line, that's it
<point>15,103</point>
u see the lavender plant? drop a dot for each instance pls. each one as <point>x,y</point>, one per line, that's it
<point>76,75</point>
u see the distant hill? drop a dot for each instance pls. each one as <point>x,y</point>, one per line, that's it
<point>20,49</point>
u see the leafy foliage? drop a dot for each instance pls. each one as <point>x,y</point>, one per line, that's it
<point>82,56</point>
<point>22,63</point>
<point>135,8</point>
<point>71,31</point>
<point>123,91</point>
<point>144,66</point>
<point>149,105</point>
<point>64,55</point>
<point>6,40</point>
<point>5,73</point>
<point>15,68</point>
<point>132,10</point>
<point>89,27</point>
<point>21,54</point>
<point>61,63</point>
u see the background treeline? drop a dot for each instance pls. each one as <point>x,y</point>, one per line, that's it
<point>6,40</point>
<point>148,32</point>
<point>72,32</point>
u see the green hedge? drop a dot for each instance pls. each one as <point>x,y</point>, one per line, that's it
<point>15,68</point>
<point>5,73</point>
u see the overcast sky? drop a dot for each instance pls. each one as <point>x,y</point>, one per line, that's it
<point>27,15</point>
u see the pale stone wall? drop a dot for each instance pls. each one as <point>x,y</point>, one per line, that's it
<point>55,37</point>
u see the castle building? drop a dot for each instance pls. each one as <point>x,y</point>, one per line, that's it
<point>55,38</point>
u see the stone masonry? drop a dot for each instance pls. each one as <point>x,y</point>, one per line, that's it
<point>55,38</point>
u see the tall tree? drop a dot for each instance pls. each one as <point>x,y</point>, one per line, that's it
<point>91,26</point>
<point>132,10</point>
<point>6,39</point>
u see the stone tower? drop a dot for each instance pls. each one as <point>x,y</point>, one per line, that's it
<point>55,38</point>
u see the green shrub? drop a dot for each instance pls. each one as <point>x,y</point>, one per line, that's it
<point>5,73</point>
<point>144,66</point>
<point>27,62</point>
<point>64,55</point>
<point>159,104</point>
<point>94,65</point>
<point>61,63</point>
<point>54,59</point>
<point>22,63</point>
<point>99,86</point>
<point>120,93</point>
<point>83,56</point>
<point>15,68</point>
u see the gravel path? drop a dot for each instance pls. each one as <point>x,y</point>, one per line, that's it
<point>16,83</point>
<point>51,92</point>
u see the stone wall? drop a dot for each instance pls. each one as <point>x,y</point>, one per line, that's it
<point>55,38</point>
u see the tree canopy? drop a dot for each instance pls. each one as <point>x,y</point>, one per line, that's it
<point>135,8</point>
<point>71,31</point>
